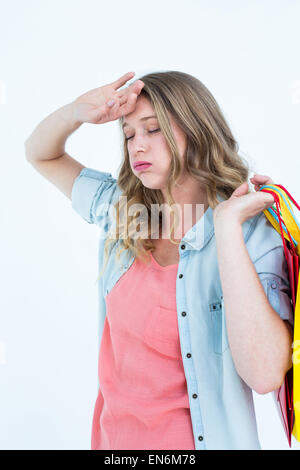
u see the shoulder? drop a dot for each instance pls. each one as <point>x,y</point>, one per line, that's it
<point>260,236</point>
<point>93,193</point>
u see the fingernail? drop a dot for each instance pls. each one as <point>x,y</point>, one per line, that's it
<point>110,102</point>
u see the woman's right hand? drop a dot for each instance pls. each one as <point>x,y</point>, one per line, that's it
<point>93,106</point>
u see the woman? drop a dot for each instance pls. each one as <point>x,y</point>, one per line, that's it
<point>189,324</point>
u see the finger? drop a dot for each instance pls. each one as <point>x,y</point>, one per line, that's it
<point>129,104</point>
<point>135,87</point>
<point>241,190</point>
<point>121,99</point>
<point>269,200</point>
<point>256,185</point>
<point>261,179</point>
<point>122,80</point>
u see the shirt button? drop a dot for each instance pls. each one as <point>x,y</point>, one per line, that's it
<point>182,247</point>
<point>188,355</point>
<point>273,285</point>
<point>195,395</point>
<point>180,276</point>
<point>183,314</point>
<point>200,438</point>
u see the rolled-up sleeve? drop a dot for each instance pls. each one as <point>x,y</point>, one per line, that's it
<point>272,271</point>
<point>93,194</point>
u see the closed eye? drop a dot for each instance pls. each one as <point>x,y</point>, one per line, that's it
<point>150,132</point>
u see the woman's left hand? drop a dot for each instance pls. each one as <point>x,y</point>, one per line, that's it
<point>243,205</point>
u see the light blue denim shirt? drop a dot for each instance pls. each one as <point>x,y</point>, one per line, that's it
<point>221,403</point>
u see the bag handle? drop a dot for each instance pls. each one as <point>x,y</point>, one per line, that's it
<point>286,191</point>
<point>277,202</point>
<point>287,211</point>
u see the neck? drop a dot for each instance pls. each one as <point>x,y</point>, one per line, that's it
<point>191,201</point>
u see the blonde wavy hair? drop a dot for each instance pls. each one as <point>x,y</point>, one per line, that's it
<point>211,157</point>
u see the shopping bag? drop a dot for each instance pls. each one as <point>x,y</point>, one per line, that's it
<point>282,217</point>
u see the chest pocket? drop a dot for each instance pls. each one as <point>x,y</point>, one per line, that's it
<point>161,332</point>
<point>219,331</point>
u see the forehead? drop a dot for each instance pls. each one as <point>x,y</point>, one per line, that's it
<point>142,110</point>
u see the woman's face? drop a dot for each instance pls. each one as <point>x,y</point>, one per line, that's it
<point>145,142</point>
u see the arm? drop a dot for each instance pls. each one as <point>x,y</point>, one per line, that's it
<point>260,341</point>
<point>45,149</point>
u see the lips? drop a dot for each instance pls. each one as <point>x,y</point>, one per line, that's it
<point>141,163</point>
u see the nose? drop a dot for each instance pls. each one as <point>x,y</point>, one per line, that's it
<point>138,144</point>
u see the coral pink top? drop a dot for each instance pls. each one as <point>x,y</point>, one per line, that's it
<point>142,401</point>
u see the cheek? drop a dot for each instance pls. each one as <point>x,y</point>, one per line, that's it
<point>162,150</point>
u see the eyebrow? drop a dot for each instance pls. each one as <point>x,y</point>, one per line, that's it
<point>142,119</point>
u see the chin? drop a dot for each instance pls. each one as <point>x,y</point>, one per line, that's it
<point>152,181</point>
<point>152,185</point>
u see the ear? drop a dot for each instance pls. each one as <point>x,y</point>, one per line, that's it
<point>240,191</point>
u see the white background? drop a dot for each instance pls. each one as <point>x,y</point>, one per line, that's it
<point>245,52</point>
